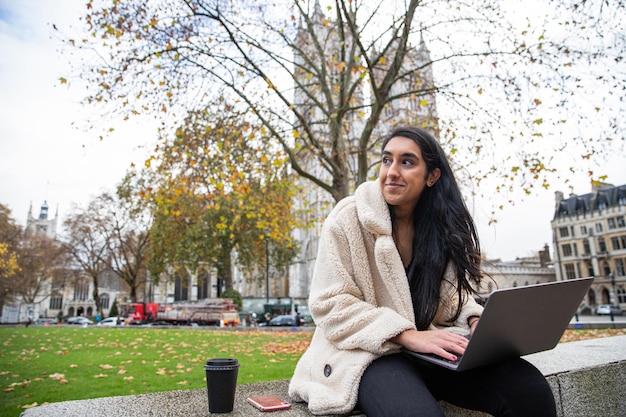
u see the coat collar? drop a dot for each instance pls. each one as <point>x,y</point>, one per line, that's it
<point>372,209</point>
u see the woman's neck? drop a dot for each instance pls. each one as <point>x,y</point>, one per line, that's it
<point>403,237</point>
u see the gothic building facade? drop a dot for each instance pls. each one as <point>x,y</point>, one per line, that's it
<point>67,292</point>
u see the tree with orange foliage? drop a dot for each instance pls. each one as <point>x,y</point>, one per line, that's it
<point>218,186</point>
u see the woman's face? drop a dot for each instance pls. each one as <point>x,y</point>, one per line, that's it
<point>403,174</point>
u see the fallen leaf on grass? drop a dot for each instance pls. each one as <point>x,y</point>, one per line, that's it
<point>30,405</point>
<point>57,376</point>
<point>290,348</point>
<point>129,378</point>
<point>100,376</point>
<point>106,366</point>
<point>571,335</point>
<point>122,371</point>
<point>8,389</point>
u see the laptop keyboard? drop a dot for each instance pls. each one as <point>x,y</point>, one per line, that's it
<point>458,358</point>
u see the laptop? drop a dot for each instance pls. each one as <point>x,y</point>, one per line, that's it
<point>518,321</point>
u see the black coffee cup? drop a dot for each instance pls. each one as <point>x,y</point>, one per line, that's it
<point>221,382</point>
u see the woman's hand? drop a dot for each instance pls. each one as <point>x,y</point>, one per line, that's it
<point>440,342</point>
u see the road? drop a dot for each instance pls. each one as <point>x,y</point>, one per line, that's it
<point>598,322</point>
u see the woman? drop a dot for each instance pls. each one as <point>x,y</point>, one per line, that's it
<point>393,270</point>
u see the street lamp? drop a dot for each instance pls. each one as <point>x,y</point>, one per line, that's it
<point>267,270</point>
<point>614,296</point>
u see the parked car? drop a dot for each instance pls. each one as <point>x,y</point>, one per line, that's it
<point>607,309</point>
<point>285,320</point>
<point>109,321</point>
<point>43,321</point>
<point>157,323</point>
<point>79,320</point>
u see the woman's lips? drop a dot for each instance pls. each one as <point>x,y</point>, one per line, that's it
<point>393,186</point>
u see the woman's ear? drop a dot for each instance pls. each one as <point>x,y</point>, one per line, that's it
<point>433,177</point>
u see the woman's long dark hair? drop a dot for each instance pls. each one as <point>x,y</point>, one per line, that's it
<point>444,232</point>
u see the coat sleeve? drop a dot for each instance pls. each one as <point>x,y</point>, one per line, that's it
<point>345,292</point>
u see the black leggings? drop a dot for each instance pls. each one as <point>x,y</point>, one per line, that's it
<point>401,386</point>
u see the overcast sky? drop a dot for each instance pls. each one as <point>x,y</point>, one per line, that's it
<point>43,157</point>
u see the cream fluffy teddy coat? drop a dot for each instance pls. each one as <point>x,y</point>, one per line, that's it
<point>359,300</point>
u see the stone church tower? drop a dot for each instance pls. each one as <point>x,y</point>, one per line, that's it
<point>404,110</point>
<point>42,224</point>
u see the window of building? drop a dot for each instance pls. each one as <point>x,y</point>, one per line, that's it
<point>615,243</point>
<point>619,267</point>
<point>620,221</point>
<point>566,249</point>
<point>601,244</point>
<point>599,227</point>
<point>575,247</point>
<point>570,271</point>
<point>56,302</point>
<point>607,268</point>
<point>564,232</point>
<point>204,279</point>
<point>571,229</point>
<point>81,291</point>
<point>622,240</point>
<point>579,273</point>
<point>590,271</point>
<point>104,301</point>
<point>586,250</point>
<point>621,294</point>
<point>181,288</point>
<point>583,230</point>
<point>611,222</point>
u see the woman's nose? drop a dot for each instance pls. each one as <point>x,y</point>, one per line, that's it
<point>393,170</point>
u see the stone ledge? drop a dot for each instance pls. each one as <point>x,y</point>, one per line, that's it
<point>588,378</point>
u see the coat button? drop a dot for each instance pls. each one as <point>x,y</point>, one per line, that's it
<point>327,371</point>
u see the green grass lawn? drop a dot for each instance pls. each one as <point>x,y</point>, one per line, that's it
<point>41,365</point>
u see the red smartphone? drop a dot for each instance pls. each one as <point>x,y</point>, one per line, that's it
<point>268,402</point>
